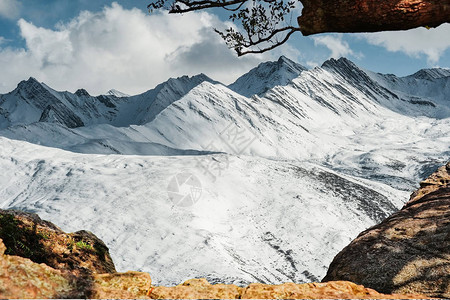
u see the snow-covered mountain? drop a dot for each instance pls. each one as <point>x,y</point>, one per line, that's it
<point>118,94</point>
<point>290,163</point>
<point>267,75</point>
<point>33,102</point>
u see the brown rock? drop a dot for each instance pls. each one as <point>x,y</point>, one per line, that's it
<point>329,290</point>
<point>22,278</point>
<point>409,252</point>
<point>196,289</point>
<point>129,285</point>
<point>26,235</point>
<point>202,289</point>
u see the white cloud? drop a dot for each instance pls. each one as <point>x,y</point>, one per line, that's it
<point>312,64</point>
<point>9,9</point>
<point>128,50</point>
<point>335,44</point>
<point>415,43</point>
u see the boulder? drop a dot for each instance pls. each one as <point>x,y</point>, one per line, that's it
<point>24,279</point>
<point>409,252</point>
<point>26,235</point>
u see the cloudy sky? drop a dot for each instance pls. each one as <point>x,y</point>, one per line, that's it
<point>100,45</point>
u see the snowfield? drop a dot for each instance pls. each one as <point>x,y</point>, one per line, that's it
<point>262,181</point>
<point>259,220</point>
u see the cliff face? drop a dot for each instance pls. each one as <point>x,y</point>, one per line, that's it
<point>409,252</point>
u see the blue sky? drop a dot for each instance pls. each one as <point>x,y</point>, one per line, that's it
<point>99,45</point>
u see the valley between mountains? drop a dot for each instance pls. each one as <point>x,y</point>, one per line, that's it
<point>264,180</point>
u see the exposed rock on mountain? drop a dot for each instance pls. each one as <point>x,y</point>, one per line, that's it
<point>266,76</point>
<point>26,235</point>
<point>409,252</point>
<point>431,74</point>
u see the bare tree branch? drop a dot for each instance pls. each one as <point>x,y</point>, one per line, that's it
<point>261,22</point>
<point>195,5</point>
<point>275,44</point>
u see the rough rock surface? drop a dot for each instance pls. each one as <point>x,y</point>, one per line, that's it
<point>22,278</point>
<point>409,252</point>
<point>197,289</point>
<point>129,285</point>
<point>202,289</point>
<point>26,235</point>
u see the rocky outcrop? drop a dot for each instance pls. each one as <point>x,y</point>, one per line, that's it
<point>409,252</point>
<point>39,260</point>
<point>202,289</point>
<point>26,235</point>
<point>24,279</point>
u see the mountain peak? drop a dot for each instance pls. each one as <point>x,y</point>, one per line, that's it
<point>197,79</point>
<point>266,76</point>
<point>346,68</point>
<point>30,86</point>
<point>333,63</point>
<point>82,93</point>
<point>116,93</point>
<point>284,59</point>
<point>30,82</point>
<point>430,74</point>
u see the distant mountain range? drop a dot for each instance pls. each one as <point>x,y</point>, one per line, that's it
<point>293,163</point>
<point>281,105</point>
<point>423,93</point>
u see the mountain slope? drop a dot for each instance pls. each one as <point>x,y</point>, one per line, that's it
<point>256,220</point>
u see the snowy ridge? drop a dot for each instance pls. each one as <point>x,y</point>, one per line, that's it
<point>431,74</point>
<point>116,93</point>
<point>266,76</point>
<point>34,102</point>
<point>293,163</point>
